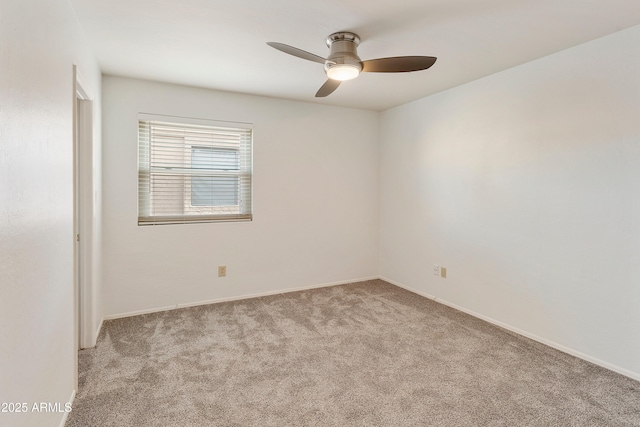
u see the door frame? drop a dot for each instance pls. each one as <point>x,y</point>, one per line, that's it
<point>83,213</point>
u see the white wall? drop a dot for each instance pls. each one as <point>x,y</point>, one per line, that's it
<point>315,202</point>
<point>39,43</point>
<point>526,185</point>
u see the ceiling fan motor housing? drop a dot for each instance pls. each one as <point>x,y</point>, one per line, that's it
<point>343,54</point>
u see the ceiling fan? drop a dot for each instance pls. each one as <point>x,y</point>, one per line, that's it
<point>344,63</point>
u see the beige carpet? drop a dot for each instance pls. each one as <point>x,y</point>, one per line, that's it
<point>363,354</point>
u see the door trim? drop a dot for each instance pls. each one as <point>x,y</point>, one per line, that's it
<point>83,209</point>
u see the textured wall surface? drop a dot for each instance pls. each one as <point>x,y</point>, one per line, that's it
<point>315,199</point>
<point>39,43</point>
<point>525,186</point>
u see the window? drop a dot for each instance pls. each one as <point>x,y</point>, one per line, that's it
<point>215,190</point>
<point>192,170</point>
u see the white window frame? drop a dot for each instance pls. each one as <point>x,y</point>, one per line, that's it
<point>227,135</point>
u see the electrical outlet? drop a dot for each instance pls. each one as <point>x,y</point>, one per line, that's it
<point>436,270</point>
<point>443,272</point>
<point>222,271</point>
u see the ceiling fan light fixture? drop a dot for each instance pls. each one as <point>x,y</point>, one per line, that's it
<point>343,62</point>
<point>342,72</point>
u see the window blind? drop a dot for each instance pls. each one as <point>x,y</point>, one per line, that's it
<point>193,170</point>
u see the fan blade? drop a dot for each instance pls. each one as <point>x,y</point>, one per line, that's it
<point>327,88</point>
<point>398,64</point>
<point>296,52</point>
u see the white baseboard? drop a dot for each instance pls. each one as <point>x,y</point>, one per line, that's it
<point>234,298</point>
<point>66,414</point>
<point>552,344</point>
<point>98,331</point>
<point>415,291</point>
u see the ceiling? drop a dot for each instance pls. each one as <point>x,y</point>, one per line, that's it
<point>222,44</point>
